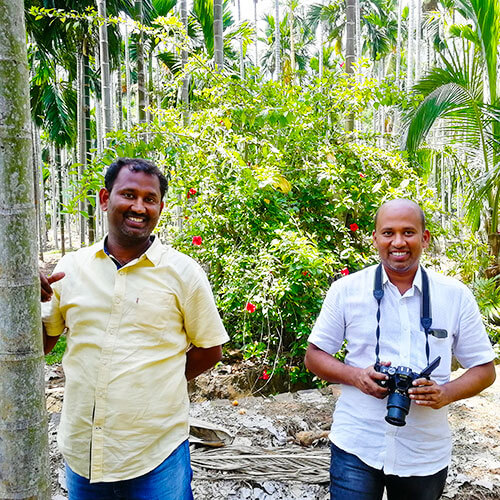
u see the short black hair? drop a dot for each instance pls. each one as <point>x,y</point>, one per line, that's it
<point>134,165</point>
<point>410,202</point>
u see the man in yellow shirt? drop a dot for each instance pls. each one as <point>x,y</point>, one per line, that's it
<point>140,321</point>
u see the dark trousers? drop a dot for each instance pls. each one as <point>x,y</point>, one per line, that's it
<point>352,479</point>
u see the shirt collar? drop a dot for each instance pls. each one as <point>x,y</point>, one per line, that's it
<point>417,280</point>
<point>153,253</point>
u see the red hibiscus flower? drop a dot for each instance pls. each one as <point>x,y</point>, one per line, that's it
<point>344,271</point>
<point>197,240</point>
<point>250,307</point>
<point>265,375</point>
<point>192,191</point>
<point>305,273</point>
<point>362,175</point>
<point>353,227</point>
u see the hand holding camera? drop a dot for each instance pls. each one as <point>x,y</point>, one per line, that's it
<point>398,383</point>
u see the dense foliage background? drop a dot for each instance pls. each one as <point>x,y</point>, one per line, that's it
<point>277,160</point>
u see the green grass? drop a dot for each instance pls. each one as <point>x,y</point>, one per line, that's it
<point>56,354</point>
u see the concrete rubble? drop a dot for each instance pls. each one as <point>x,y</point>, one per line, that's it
<point>286,421</point>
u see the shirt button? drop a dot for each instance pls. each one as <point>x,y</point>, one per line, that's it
<point>117,300</point>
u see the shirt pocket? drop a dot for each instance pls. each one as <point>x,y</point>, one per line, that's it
<point>437,347</point>
<point>154,310</point>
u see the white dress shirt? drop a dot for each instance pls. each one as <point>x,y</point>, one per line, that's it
<point>423,445</point>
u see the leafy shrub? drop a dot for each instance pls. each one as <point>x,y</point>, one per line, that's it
<point>275,201</point>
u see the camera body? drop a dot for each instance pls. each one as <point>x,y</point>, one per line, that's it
<point>399,380</point>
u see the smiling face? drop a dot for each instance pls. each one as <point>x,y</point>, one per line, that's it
<point>399,237</point>
<point>133,206</point>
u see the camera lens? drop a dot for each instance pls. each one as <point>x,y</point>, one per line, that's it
<point>398,406</point>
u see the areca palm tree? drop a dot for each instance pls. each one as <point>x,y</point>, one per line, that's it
<point>455,92</point>
<point>24,454</point>
<point>302,40</point>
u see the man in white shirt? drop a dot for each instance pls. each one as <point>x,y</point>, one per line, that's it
<point>368,453</point>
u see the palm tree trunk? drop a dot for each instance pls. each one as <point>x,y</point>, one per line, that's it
<point>184,59</point>
<point>128,79</point>
<point>119,98</point>
<point>53,202</point>
<point>88,143</point>
<point>59,169</point>
<point>277,40</point>
<point>398,46</point>
<point>37,189</point>
<point>357,34</point>
<point>256,33</point>
<point>242,63</point>
<point>411,46</point>
<point>150,86</point>
<point>105,74</point>
<point>81,141</point>
<point>141,86</point>
<point>350,55</point>
<point>24,457</point>
<point>418,30</point>
<point>320,51</point>
<point>218,36</point>
<point>292,41</point>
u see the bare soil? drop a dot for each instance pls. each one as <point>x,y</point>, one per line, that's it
<point>289,422</point>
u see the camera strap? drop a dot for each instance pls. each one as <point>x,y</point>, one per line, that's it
<point>425,311</point>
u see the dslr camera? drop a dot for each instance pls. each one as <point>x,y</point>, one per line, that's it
<point>399,381</point>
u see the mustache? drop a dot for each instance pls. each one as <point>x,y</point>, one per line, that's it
<point>137,216</point>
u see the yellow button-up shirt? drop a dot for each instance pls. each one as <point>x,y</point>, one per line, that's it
<point>126,403</point>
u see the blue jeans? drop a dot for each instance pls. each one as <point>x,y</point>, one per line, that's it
<point>171,480</point>
<point>352,479</point>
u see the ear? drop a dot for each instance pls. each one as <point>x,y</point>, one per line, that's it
<point>374,239</point>
<point>103,199</point>
<point>161,206</point>
<point>426,238</point>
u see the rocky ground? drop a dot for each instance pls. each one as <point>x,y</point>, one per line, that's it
<point>278,447</point>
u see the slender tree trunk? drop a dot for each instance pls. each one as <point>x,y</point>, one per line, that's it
<point>398,46</point>
<point>411,48</point>
<point>292,44</point>
<point>320,51</point>
<point>53,201</point>
<point>38,189</point>
<point>105,74</point>
<point>218,36</point>
<point>141,86</point>
<point>277,41</point>
<point>119,98</point>
<point>184,59</point>
<point>357,34</point>
<point>418,31</point>
<point>150,87</point>
<point>242,62</point>
<point>350,45</point>
<point>88,146</point>
<point>256,33</point>
<point>24,458</point>
<point>81,154</point>
<point>128,81</point>
<point>59,168</point>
